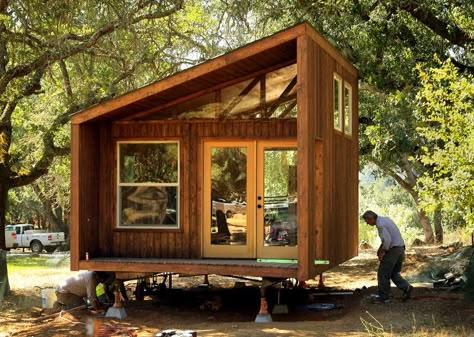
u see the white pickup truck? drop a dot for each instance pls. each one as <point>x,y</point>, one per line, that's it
<point>10,238</point>
<point>37,240</point>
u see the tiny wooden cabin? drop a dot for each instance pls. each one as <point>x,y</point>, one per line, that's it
<point>244,165</point>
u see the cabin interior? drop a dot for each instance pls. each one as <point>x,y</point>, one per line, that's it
<point>244,165</point>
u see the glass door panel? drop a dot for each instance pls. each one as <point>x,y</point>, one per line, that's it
<point>277,233</point>
<point>229,183</point>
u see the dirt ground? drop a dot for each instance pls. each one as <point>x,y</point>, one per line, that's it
<point>431,313</point>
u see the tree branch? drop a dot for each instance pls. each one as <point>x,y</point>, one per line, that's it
<point>65,51</point>
<point>3,40</point>
<point>186,38</point>
<point>452,33</point>
<point>50,150</point>
<point>66,79</point>
<point>402,182</point>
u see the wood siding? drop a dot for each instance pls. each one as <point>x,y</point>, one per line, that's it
<point>327,164</point>
<point>183,243</point>
<point>84,192</point>
<point>336,166</point>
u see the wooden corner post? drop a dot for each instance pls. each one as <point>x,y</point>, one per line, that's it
<point>74,231</point>
<point>306,124</point>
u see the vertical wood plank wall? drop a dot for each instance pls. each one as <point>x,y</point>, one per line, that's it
<point>337,234</point>
<point>182,243</point>
<point>84,192</point>
<point>306,122</point>
<point>327,174</point>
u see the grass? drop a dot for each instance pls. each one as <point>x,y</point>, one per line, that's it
<point>25,272</point>
<point>375,328</point>
<point>20,262</point>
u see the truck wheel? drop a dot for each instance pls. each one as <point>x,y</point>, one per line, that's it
<point>50,249</point>
<point>36,247</point>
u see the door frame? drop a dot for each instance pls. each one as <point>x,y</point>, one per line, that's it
<point>229,251</point>
<point>255,247</point>
<point>263,251</point>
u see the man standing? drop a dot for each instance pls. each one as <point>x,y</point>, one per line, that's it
<point>72,291</point>
<point>391,255</point>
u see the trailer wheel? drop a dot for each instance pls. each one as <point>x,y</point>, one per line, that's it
<point>50,249</point>
<point>36,246</point>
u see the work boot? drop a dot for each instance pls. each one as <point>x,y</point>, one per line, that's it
<point>377,299</point>
<point>407,293</point>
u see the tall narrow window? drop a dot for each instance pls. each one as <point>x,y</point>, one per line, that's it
<point>347,109</point>
<point>148,184</point>
<point>337,102</point>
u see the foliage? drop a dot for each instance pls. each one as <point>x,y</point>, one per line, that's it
<point>445,115</point>
<point>58,58</point>
<point>280,168</point>
<point>229,174</point>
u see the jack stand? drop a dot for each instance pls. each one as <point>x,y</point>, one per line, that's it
<point>117,311</point>
<point>263,315</point>
<point>280,308</point>
<point>170,281</point>
<point>205,282</point>
<point>321,282</point>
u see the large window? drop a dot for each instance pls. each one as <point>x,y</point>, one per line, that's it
<point>347,109</point>
<point>270,95</point>
<point>148,184</point>
<point>337,97</point>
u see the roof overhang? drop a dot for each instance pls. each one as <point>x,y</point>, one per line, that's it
<point>268,52</point>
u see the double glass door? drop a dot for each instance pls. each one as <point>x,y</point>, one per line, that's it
<point>250,199</point>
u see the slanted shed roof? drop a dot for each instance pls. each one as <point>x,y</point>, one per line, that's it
<point>268,52</point>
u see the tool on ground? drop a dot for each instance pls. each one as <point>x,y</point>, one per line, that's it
<point>263,315</point>
<point>176,333</point>
<point>117,310</point>
<point>84,306</point>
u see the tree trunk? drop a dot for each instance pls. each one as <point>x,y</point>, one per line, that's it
<point>3,211</point>
<point>49,210</point>
<point>426,224</point>
<point>438,225</point>
<point>424,219</point>
<point>4,284</point>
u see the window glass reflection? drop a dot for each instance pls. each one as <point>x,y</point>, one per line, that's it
<point>228,196</point>
<point>280,200</point>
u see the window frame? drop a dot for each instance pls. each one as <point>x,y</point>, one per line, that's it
<point>350,109</point>
<point>118,185</point>
<point>337,78</point>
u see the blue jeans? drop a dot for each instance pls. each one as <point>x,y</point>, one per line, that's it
<point>389,269</point>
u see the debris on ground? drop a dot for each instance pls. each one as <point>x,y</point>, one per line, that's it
<point>417,243</point>
<point>97,328</point>
<point>176,333</point>
<point>452,247</point>
<point>364,245</point>
<point>449,271</point>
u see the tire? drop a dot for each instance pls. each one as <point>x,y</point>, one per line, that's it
<point>36,246</point>
<point>50,249</point>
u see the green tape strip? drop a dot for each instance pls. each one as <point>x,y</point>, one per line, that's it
<point>289,261</point>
